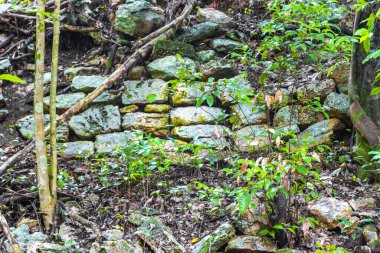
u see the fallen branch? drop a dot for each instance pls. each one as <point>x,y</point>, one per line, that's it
<point>76,217</point>
<point>9,235</point>
<point>136,57</point>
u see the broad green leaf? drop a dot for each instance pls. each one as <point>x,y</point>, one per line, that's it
<point>361,32</point>
<point>210,100</point>
<point>373,55</point>
<point>375,91</point>
<point>367,45</point>
<point>244,200</point>
<point>151,98</point>
<point>11,78</point>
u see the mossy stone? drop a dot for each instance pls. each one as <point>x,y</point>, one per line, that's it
<point>164,48</point>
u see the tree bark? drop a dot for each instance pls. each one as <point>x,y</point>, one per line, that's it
<point>39,133</point>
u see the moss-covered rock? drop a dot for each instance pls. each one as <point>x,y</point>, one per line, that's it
<point>164,48</point>
<point>217,69</point>
<point>76,148</point>
<point>107,143</point>
<point>145,92</point>
<point>87,83</point>
<point>296,114</point>
<point>200,32</point>
<point>184,116</point>
<point>188,94</point>
<point>155,123</point>
<point>215,240</point>
<point>189,133</point>
<point>65,101</point>
<point>245,114</point>
<point>167,68</point>
<point>251,244</point>
<point>225,45</point>
<point>157,108</point>
<point>205,55</point>
<point>70,73</point>
<point>138,18</point>
<point>129,108</point>
<point>337,105</point>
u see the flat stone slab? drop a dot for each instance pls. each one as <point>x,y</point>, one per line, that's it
<point>76,148</point>
<point>87,83</point>
<point>108,143</point>
<point>26,128</point>
<point>217,69</point>
<point>155,123</point>
<point>184,94</point>
<point>140,92</point>
<point>211,143</point>
<point>184,116</point>
<point>65,101</point>
<point>157,108</point>
<point>167,68</point>
<point>107,97</point>
<point>189,133</point>
<point>95,121</point>
<point>251,244</point>
<point>245,114</point>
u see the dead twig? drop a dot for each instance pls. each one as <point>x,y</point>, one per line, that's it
<point>15,247</point>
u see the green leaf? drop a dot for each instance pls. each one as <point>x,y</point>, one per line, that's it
<point>200,101</point>
<point>11,78</point>
<point>302,169</point>
<point>151,98</point>
<point>375,91</point>
<point>373,55</point>
<point>210,100</point>
<point>244,200</point>
<point>361,32</point>
<point>367,45</point>
<point>279,227</point>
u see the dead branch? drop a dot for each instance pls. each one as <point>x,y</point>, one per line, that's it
<point>136,57</point>
<point>9,235</point>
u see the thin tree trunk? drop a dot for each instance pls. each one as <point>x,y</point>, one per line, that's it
<point>39,132</point>
<point>53,111</point>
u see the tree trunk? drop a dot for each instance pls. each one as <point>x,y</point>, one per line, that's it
<point>39,129</point>
<point>365,108</point>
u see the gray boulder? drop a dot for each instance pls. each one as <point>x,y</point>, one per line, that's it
<point>155,123</point>
<point>202,31</point>
<point>87,83</point>
<point>251,244</point>
<point>138,18</point>
<point>107,143</point>
<point>314,89</point>
<point>167,68</point>
<point>76,148</point>
<point>107,97</point>
<point>138,92</point>
<point>184,116</point>
<point>24,238</point>
<point>211,14</point>
<point>95,121</point>
<point>215,240</point>
<point>328,211</point>
<point>26,128</point>
<point>205,55</point>
<point>4,65</point>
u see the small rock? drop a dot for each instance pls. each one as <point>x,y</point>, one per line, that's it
<point>24,239</point>
<point>95,121</point>
<point>129,108</point>
<point>139,92</point>
<point>67,235</point>
<point>370,235</point>
<point>155,123</point>
<point>205,55</point>
<point>341,73</point>
<point>215,240</point>
<point>157,108</point>
<point>2,100</point>
<point>217,69</point>
<point>138,18</point>
<point>328,211</point>
<point>113,235</point>
<point>236,35</point>
<point>337,105</point>
<point>251,244</point>
<point>31,223</point>
<point>76,148</point>
<point>167,68</point>
<point>4,65</point>
<point>3,115</point>
<point>137,73</point>
<point>87,83</point>
<point>185,116</point>
<point>70,73</point>
<point>107,143</point>
<point>225,45</point>
<point>245,114</point>
<point>363,204</point>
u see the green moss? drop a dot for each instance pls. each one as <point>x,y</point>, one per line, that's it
<point>179,97</point>
<point>164,48</point>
